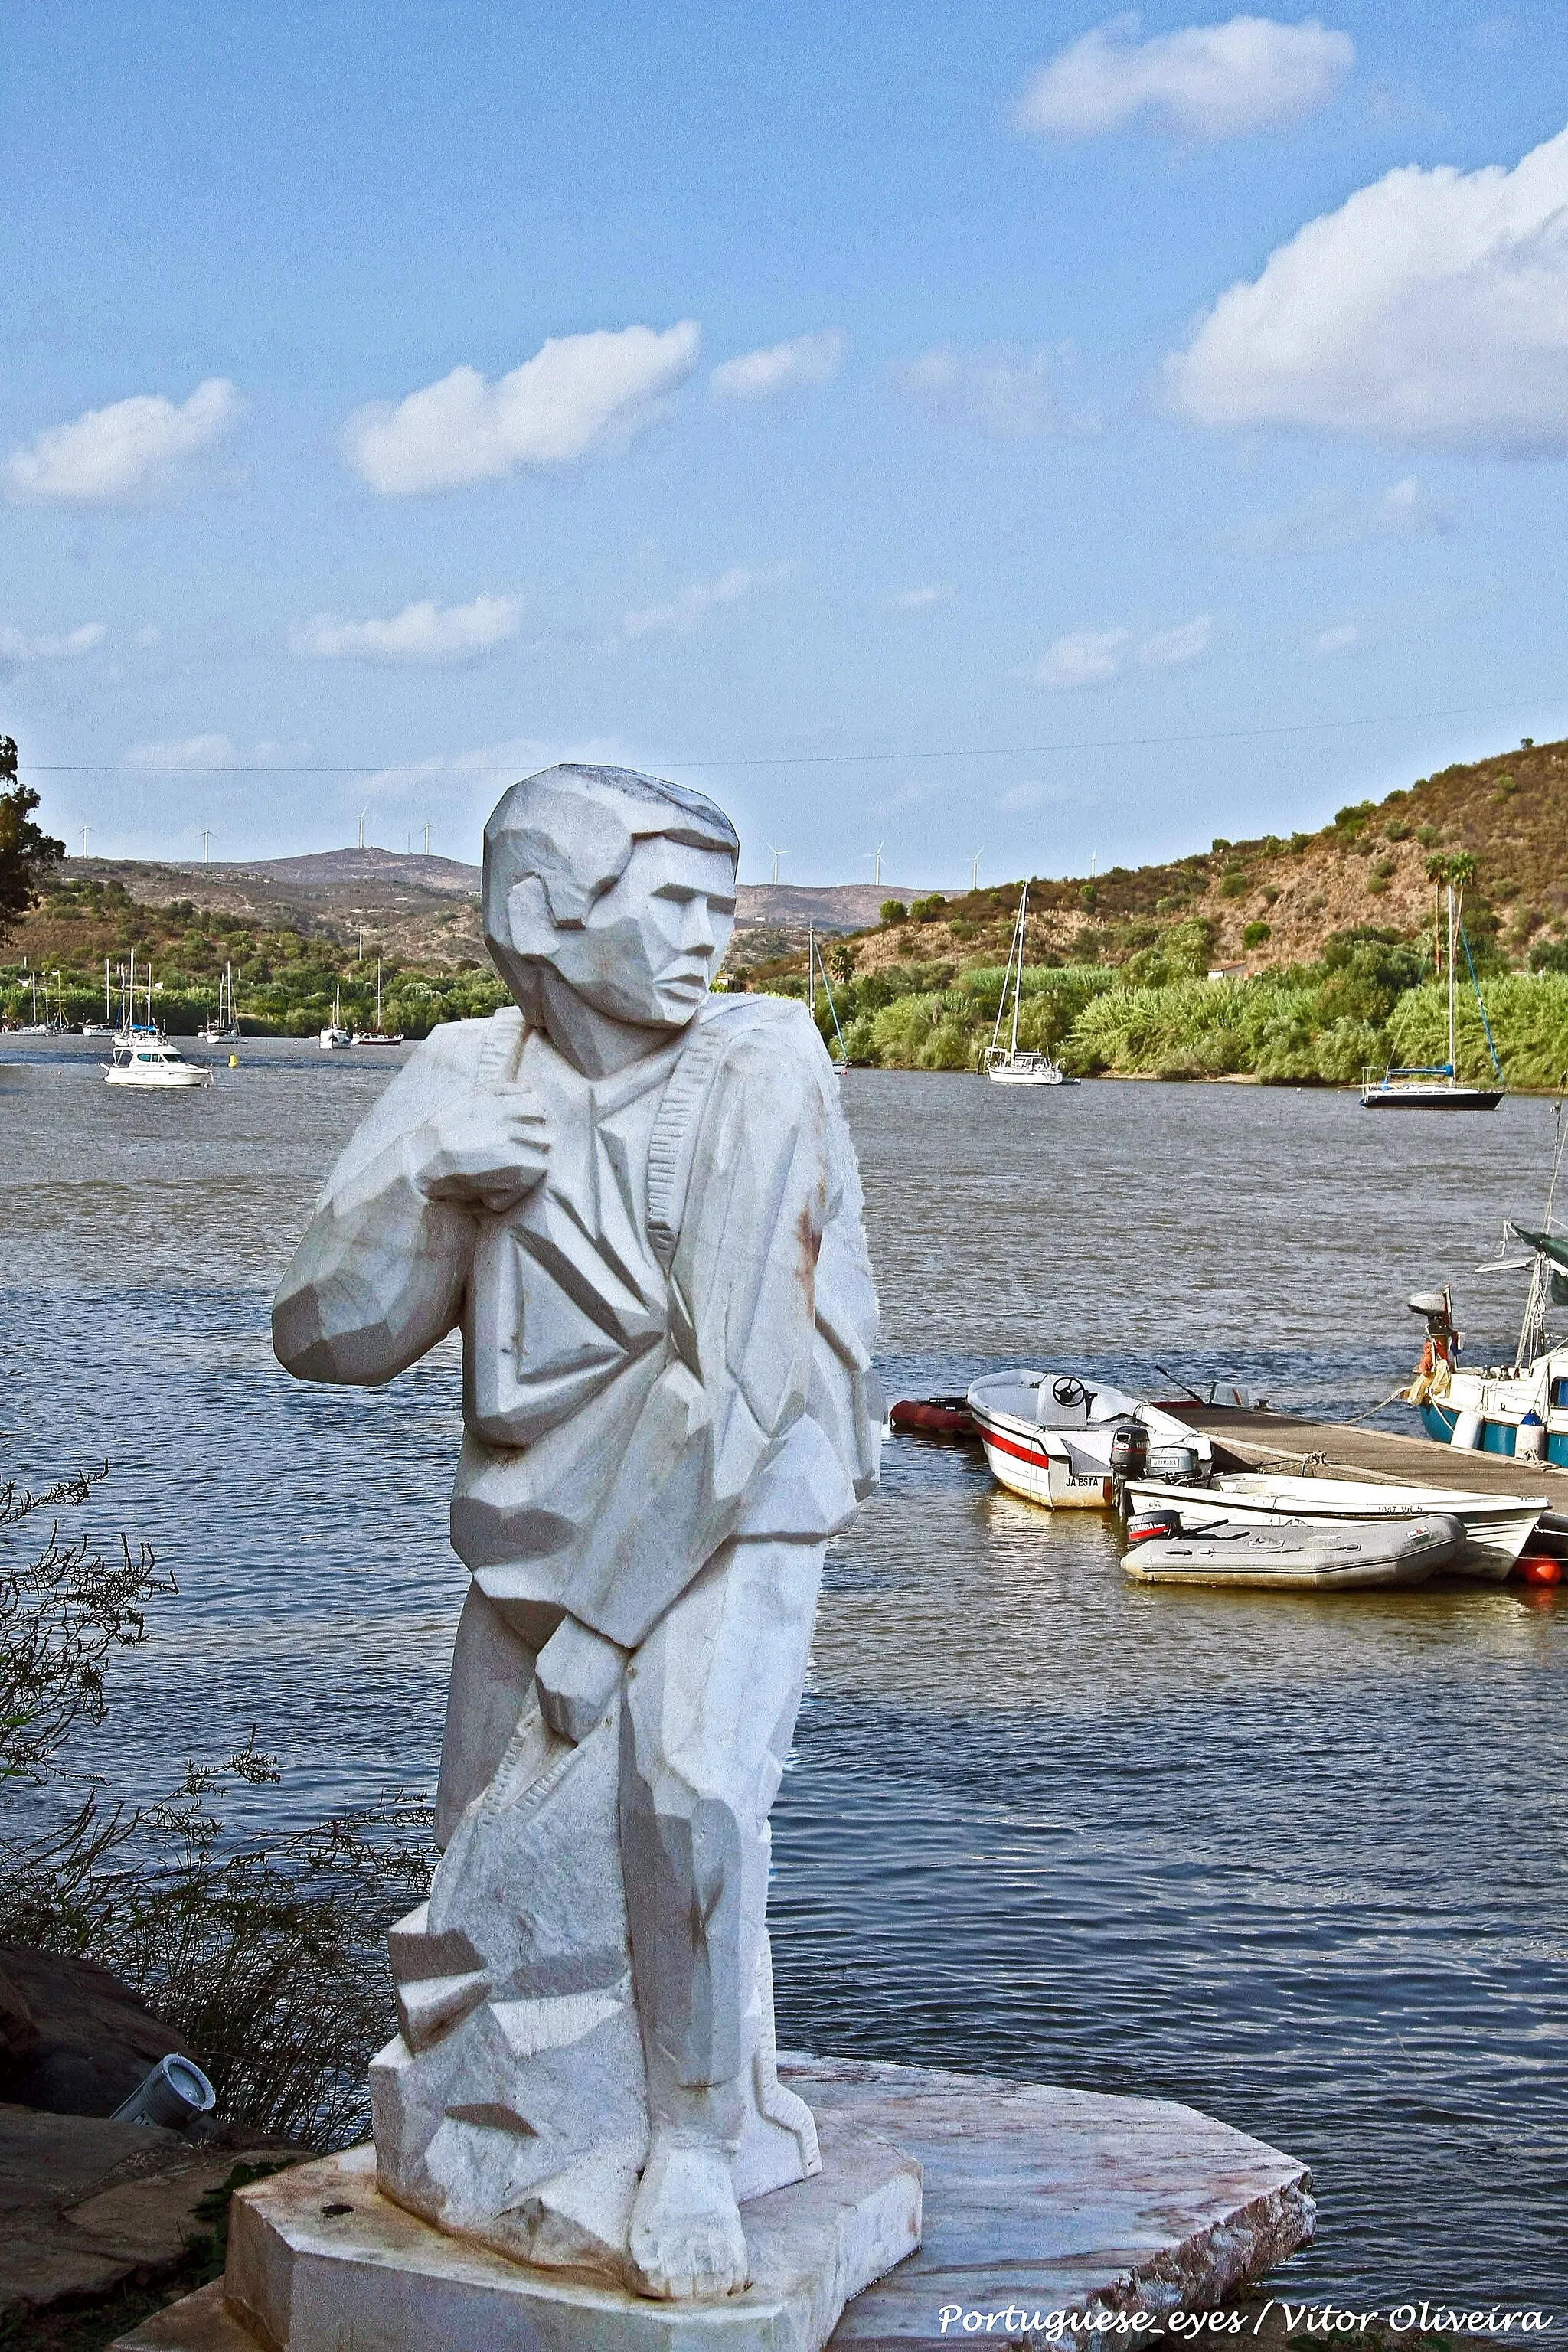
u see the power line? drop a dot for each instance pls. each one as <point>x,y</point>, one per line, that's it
<point>839,759</point>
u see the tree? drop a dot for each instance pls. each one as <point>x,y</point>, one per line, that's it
<point>26,852</point>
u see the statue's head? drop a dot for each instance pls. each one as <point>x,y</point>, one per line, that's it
<point>621,884</point>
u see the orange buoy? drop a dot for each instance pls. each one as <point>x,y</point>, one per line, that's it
<point>1536,1567</point>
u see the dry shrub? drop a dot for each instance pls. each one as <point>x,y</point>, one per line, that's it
<point>266,1951</point>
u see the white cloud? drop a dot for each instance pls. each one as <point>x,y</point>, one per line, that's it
<point>193,752</point>
<point>1333,519</point>
<point>1083,658</point>
<point>1026,796</point>
<point>136,449</point>
<point>1171,648</point>
<point>1211,81</point>
<point>422,634</point>
<point>17,647</point>
<point>1340,640</point>
<point>919,600</point>
<point>578,396</point>
<point>148,636</point>
<point>692,606</point>
<point>794,366</point>
<point>1004,393</point>
<point>1094,656</point>
<point>1431,307</point>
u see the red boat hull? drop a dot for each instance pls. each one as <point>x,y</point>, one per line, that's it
<point>936,1416</point>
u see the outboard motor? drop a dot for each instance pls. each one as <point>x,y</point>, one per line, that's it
<point>1151,1527</point>
<point>1129,1450</point>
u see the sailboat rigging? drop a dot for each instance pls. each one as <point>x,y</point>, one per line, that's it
<point>378,1035</point>
<point>1005,1064</point>
<point>814,966</point>
<point>222,1029</point>
<point>1434,1085</point>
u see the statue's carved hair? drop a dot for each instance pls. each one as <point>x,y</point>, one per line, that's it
<point>574,829</point>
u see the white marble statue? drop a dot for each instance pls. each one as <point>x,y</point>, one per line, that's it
<point>638,1202</point>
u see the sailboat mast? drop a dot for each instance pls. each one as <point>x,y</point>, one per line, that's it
<point>1451,1071</point>
<point>1018,983</point>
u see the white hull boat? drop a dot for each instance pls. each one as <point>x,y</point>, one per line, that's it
<point>1049,1437</point>
<point>222,1029</point>
<point>335,1037</point>
<point>1497,1527</point>
<point>1352,1557</point>
<point>152,1063</point>
<point>1005,1064</point>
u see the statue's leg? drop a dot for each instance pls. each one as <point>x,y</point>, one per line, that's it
<point>711,1698</point>
<point>492,1667</point>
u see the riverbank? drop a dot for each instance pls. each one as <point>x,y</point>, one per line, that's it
<point>1368,1003</point>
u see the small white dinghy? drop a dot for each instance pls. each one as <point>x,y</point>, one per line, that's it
<point>1354,1557</point>
<point>1497,1527</point>
<point>1052,1438</point>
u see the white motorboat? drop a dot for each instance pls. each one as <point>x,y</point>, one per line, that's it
<point>1436,1087</point>
<point>334,1036</point>
<point>1518,1409</point>
<point>1352,1557</point>
<point>1497,1527</point>
<point>154,1062</point>
<point>1005,1064</point>
<point>1053,1438</point>
<point>222,1029</point>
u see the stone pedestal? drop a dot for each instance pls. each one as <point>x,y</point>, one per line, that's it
<point>1036,2201</point>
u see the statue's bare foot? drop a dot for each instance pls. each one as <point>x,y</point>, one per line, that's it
<point>687,2243</point>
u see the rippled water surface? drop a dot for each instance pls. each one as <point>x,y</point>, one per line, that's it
<point>1299,1861</point>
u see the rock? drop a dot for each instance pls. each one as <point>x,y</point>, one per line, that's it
<point>19,2028</point>
<point>86,2204</point>
<point>92,2041</point>
<point>1036,2200</point>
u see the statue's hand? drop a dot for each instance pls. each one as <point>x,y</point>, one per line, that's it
<point>484,1151</point>
<point>577,1671</point>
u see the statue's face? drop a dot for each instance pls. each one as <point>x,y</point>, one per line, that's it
<point>652,942</point>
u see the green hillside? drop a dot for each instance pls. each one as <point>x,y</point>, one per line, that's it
<point>1328,937</point>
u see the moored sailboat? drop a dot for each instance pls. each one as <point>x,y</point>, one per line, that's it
<point>814,966</point>
<point>1005,1064</point>
<point>378,1035</point>
<point>1436,1085</point>
<point>334,1036</point>
<point>222,1029</point>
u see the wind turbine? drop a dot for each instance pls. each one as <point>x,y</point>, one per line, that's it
<point>362,815</point>
<point>426,836</point>
<point>84,838</point>
<point>975,872</point>
<point>877,854</point>
<point>206,845</point>
<point>777,853</point>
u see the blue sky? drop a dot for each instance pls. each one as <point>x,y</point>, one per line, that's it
<point>964,426</point>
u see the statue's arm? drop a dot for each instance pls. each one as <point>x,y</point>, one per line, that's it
<point>743,1288</point>
<point>379,1276</point>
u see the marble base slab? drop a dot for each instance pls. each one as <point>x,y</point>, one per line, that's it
<point>1036,2201</point>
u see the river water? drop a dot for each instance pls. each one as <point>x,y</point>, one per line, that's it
<point>1298,1861</point>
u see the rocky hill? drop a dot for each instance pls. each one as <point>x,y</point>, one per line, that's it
<point>1272,901</point>
<point>424,910</point>
<point>1264,904</point>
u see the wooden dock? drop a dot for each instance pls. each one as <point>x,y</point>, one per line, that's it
<point>1281,1441</point>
